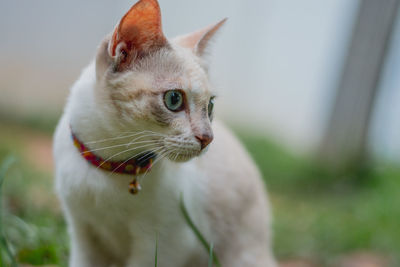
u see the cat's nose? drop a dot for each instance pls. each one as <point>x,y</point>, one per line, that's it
<point>204,140</point>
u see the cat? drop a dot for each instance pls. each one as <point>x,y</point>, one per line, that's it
<point>141,115</point>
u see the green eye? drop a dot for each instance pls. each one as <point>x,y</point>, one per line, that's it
<point>210,107</point>
<point>173,100</point>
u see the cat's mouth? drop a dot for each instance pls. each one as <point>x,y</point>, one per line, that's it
<point>181,150</point>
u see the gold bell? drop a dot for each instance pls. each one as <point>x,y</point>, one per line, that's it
<point>134,187</point>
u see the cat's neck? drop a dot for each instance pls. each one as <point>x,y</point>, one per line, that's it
<point>82,116</point>
<point>90,125</point>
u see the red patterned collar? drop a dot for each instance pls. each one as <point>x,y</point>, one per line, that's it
<point>135,166</point>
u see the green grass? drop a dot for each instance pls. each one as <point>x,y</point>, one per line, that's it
<point>45,123</point>
<point>321,215</point>
<point>32,221</point>
<point>6,256</point>
<point>318,215</point>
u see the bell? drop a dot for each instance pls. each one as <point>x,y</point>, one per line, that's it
<point>134,187</point>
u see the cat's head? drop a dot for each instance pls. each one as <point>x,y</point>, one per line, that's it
<point>148,83</point>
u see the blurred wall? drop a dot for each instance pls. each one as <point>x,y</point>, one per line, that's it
<point>276,63</point>
<point>385,129</point>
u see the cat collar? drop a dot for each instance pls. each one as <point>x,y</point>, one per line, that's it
<point>135,166</point>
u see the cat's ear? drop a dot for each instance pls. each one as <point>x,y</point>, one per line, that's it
<point>199,40</point>
<point>137,34</point>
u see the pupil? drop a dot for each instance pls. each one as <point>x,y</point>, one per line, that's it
<point>175,98</point>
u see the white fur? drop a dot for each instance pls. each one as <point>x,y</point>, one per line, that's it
<point>222,189</point>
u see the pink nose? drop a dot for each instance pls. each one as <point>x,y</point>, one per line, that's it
<point>204,140</point>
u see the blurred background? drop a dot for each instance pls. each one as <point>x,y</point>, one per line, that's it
<point>310,87</point>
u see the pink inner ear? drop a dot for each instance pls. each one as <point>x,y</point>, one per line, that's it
<point>198,40</point>
<point>139,30</point>
<point>191,40</point>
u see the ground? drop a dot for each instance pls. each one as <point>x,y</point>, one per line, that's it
<point>320,219</point>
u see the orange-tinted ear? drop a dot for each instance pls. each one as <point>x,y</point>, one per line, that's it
<point>198,41</point>
<point>138,33</point>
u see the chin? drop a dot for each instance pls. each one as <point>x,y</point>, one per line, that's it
<point>183,157</point>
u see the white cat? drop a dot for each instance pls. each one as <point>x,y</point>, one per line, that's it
<point>145,107</point>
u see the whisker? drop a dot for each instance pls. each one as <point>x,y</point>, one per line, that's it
<point>176,156</point>
<point>121,137</point>
<point>148,131</point>
<point>145,155</point>
<point>124,151</point>
<point>163,154</point>
<point>178,148</point>
<point>153,151</point>
<point>137,138</point>
<point>108,147</point>
<point>114,138</point>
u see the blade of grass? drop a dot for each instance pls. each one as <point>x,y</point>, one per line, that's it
<point>197,232</point>
<point>156,252</point>
<point>210,257</point>
<point>6,164</point>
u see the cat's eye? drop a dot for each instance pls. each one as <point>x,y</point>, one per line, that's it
<point>210,107</point>
<point>173,100</point>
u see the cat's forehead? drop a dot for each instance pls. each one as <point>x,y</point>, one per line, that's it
<point>174,69</point>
